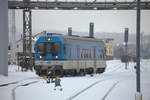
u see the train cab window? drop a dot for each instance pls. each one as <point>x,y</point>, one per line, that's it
<point>53,48</point>
<point>40,47</point>
<point>49,47</point>
<point>58,47</point>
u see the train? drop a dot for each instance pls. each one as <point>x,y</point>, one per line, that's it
<point>69,55</point>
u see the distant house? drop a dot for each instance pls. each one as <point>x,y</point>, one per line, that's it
<point>109,48</point>
<point>19,45</point>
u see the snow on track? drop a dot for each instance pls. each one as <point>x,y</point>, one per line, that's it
<point>99,91</point>
<point>85,89</point>
<point>76,86</point>
<point>25,84</point>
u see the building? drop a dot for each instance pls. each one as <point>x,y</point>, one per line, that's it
<point>109,48</point>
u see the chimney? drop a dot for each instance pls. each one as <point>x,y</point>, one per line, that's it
<point>91,30</point>
<point>69,31</point>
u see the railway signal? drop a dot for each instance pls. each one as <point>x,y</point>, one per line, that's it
<point>126,47</point>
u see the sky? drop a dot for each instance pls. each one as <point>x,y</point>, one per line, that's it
<point>104,21</point>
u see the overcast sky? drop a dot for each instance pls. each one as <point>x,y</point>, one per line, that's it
<point>104,21</point>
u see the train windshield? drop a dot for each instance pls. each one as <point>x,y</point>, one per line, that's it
<point>40,47</point>
<point>53,48</point>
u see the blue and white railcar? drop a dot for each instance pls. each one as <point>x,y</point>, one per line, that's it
<point>69,55</point>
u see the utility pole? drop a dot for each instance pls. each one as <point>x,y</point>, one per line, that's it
<point>138,95</point>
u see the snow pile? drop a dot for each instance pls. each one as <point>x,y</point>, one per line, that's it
<point>15,74</point>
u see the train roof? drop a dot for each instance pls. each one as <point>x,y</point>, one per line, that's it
<point>74,39</point>
<point>82,40</point>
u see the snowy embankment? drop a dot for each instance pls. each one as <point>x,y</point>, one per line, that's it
<point>115,84</point>
<point>15,74</point>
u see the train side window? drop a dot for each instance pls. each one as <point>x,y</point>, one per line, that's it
<point>73,52</point>
<point>64,50</point>
<point>90,54</point>
<point>81,52</point>
<point>94,53</point>
<point>87,53</point>
<point>69,52</point>
<point>102,54</point>
<point>77,52</point>
<point>84,53</point>
<point>99,54</point>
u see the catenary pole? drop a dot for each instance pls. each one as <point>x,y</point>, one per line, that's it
<point>138,89</point>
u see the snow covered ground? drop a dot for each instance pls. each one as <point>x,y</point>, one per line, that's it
<point>115,84</point>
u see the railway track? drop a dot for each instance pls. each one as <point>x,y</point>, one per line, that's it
<point>25,84</point>
<point>16,82</point>
<point>115,67</point>
<point>107,93</point>
<point>6,84</point>
<point>92,85</point>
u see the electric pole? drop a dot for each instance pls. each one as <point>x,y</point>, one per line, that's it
<point>138,95</point>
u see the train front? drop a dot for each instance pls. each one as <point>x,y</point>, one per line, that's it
<point>49,54</point>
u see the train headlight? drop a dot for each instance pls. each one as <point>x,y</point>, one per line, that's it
<point>49,39</point>
<point>56,56</point>
<point>40,57</point>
